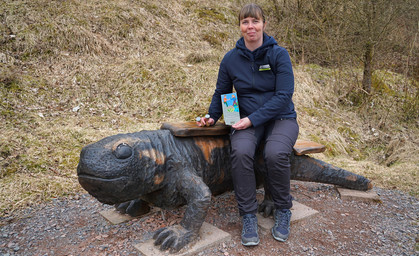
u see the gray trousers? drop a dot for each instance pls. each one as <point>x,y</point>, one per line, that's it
<point>279,137</point>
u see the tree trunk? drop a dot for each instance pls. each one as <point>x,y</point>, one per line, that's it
<point>367,78</point>
<point>371,15</point>
<point>277,11</point>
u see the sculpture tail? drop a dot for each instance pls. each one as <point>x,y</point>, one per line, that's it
<point>306,168</point>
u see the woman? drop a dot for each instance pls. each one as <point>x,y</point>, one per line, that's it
<point>262,76</point>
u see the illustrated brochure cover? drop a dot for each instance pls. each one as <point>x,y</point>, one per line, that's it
<point>230,108</point>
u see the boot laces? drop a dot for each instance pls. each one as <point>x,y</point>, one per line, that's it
<point>282,219</point>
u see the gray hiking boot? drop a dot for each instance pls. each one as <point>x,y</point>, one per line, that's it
<point>250,235</point>
<point>281,229</point>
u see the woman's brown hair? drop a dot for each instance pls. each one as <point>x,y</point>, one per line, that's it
<point>251,10</point>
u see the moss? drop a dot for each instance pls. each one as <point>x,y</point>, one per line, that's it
<point>348,132</point>
<point>311,111</point>
<point>11,84</point>
<point>210,15</point>
<point>145,74</point>
<point>5,151</point>
<point>410,107</point>
<point>121,22</point>
<point>319,73</point>
<point>352,148</point>
<point>331,150</point>
<point>216,38</point>
<point>379,85</point>
<point>9,79</point>
<point>7,113</point>
<point>9,165</point>
<point>196,57</point>
<point>357,97</point>
<point>354,152</point>
<point>34,165</point>
<point>8,160</point>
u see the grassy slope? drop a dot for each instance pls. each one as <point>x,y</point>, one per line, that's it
<point>75,71</point>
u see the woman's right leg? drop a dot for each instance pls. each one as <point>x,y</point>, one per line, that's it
<point>243,147</point>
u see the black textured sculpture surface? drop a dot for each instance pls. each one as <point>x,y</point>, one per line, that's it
<point>133,171</point>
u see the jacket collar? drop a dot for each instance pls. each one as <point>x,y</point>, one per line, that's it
<point>268,41</point>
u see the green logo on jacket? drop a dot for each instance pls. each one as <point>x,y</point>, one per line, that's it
<point>265,67</point>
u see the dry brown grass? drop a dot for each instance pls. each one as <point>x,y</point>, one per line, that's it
<point>373,142</point>
<point>72,72</point>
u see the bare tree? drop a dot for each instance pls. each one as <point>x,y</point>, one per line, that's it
<point>340,33</point>
<point>371,21</point>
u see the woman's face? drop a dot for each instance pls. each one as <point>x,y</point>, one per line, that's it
<point>252,29</point>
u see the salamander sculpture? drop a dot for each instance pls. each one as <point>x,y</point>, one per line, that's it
<point>133,171</point>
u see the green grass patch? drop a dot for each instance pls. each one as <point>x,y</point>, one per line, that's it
<point>208,14</point>
<point>215,38</point>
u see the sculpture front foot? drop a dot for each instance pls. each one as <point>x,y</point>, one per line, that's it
<point>266,208</point>
<point>173,238</point>
<point>133,208</point>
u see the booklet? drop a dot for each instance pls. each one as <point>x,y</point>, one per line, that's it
<point>230,108</point>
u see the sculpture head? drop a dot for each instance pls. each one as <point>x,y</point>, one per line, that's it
<point>122,167</point>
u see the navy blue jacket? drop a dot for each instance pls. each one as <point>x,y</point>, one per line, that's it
<point>263,80</point>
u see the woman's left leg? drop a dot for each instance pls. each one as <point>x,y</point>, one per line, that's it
<point>280,138</point>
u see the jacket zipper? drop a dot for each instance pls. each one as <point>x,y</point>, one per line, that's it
<point>253,74</point>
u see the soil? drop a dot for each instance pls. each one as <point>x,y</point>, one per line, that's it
<point>73,226</point>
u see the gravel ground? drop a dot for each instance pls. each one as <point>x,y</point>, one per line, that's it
<point>73,226</point>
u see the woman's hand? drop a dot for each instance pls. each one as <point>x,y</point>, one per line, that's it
<point>205,122</point>
<point>242,124</point>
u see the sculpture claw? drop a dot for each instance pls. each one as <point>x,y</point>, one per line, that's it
<point>134,208</point>
<point>266,208</point>
<point>173,238</point>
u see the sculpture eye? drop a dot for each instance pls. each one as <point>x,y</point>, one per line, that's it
<point>123,151</point>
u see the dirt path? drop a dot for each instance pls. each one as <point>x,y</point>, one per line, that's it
<point>74,227</point>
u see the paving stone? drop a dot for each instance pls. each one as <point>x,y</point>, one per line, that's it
<point>209,236</point>
<point>357,195</point>
<point>299,212</point>
<point>115,217</point>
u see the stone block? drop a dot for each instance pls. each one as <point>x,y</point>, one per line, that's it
<point>357,195</point>
<point>299,212</point>
<point>115,217</point>
<point>209,236</point>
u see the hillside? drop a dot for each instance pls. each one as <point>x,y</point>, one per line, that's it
<point>73,72</point>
